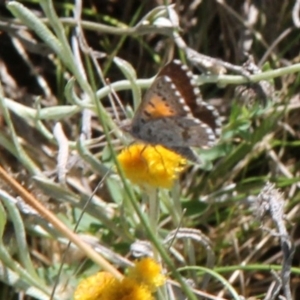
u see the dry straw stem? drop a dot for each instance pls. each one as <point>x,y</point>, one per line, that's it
<point>51,218</point>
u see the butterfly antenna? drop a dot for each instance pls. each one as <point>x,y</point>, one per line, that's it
<point>112,102</point>
<point>75,229</point>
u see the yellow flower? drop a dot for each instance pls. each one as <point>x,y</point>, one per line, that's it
<point>93,287</point>
<point>148,272</point>
<point>153,166</point>
<point>126,289</point>
<point>103,286</point>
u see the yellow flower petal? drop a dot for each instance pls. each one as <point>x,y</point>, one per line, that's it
<point>148,272</point>
<point>153,166</point>
<point>126,289</point>
<point>93,287</point>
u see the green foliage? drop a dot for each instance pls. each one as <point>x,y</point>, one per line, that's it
<point>89,85</point>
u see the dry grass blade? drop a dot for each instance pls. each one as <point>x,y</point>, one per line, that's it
<point>72,76</point>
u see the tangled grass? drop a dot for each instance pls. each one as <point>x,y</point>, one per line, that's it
<point>71,73</point>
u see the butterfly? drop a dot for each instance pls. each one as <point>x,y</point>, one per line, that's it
<point>173,114</point>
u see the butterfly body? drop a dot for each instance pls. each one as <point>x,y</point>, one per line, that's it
<point>168,114</point>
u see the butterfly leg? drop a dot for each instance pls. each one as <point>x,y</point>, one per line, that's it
<point>161,157</point>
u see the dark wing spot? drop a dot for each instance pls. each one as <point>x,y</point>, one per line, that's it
<point>185,134</point>
<point>147,114</point>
